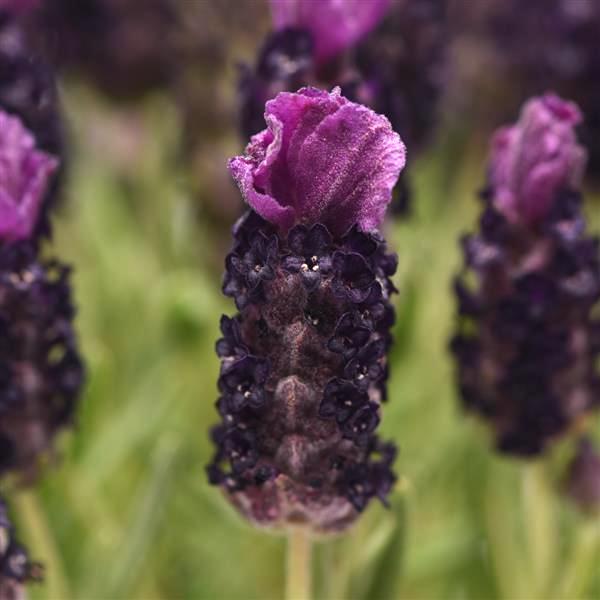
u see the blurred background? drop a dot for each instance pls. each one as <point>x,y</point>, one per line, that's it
<point>124,510</point>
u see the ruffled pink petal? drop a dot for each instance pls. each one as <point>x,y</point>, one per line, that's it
<point>322,159</point>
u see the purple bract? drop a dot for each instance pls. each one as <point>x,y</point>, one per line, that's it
<point>334,24</point>
<point>24,176</point>
<point>321,159</point>
<point>536,158</point>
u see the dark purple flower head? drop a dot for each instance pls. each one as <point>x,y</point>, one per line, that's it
<point>335,25</point>
<point>303,372</point>
<point>527,360</point>
<point>582,483</point>
<point>25,173</point>
<point>322,159</point>
<point>536,158</point>
<point>15,567</point>
<point>41,373</point>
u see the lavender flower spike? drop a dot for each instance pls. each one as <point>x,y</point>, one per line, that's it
<point>527,340</point>
<point>25,173</point>
<point>322,159</point>
<point>303,364</point>
<point>334,24</point>
<point>532,160</point>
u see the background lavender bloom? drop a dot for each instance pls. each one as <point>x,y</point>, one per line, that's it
<point>525,342</point>
<point>303,364</point>
<point>40,369</point>
<point>28,91</point>
<point>15,567</point>
<point>334,26</point>
<point>25,174</point>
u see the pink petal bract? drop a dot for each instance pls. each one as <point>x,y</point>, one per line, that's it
<point>321,159</point>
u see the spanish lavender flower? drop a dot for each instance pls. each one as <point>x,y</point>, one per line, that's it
<point>582,484</point>
<point>303,363</point>
<point>527,342</point>
<point>396,68</point>
<point>547,43</point>
<point>40,368</point>
<point>15,567</point>
<point>27,91</point>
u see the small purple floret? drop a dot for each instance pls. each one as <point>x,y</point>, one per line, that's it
<point>322,159</point>
<point>334,24</point>
<point>536,158</point>
<point>25,173</point>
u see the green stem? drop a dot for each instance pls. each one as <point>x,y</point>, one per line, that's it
<point>42,544</point>
<point>583,562</point>
<point>298,569</point>
<point>539,528</point>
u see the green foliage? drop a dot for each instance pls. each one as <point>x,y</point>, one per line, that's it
<point>127,512</point>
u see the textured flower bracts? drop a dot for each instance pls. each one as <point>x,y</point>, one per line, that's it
<point>527,340</point>
<point>303,372</point>
<point>40,370</point>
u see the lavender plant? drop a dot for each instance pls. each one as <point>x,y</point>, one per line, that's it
<point>527,338</point>
<point>304,361</point>
<point>388,56</point>
<point>40,369</point>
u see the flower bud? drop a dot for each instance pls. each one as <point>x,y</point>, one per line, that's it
<point>303,363</point>
<point>526,343</point>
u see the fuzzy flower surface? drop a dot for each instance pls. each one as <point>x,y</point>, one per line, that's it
<point>535,158</point>
<point>304,361</point>
<point>335,25</point>
<point>527,342</point>
<point>25,174</point>
<point>321,159</point>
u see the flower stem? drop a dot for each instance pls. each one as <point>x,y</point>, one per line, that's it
<point>298,569</point>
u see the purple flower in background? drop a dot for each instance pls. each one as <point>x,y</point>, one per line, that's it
<point>28,91</point>
<point>535,158</point>
<point>335,25</point>
<point>303,366</point>
<point>322,159</point>
<point>41,373</point>
<point>526,344</point>
<point>25,173</point>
